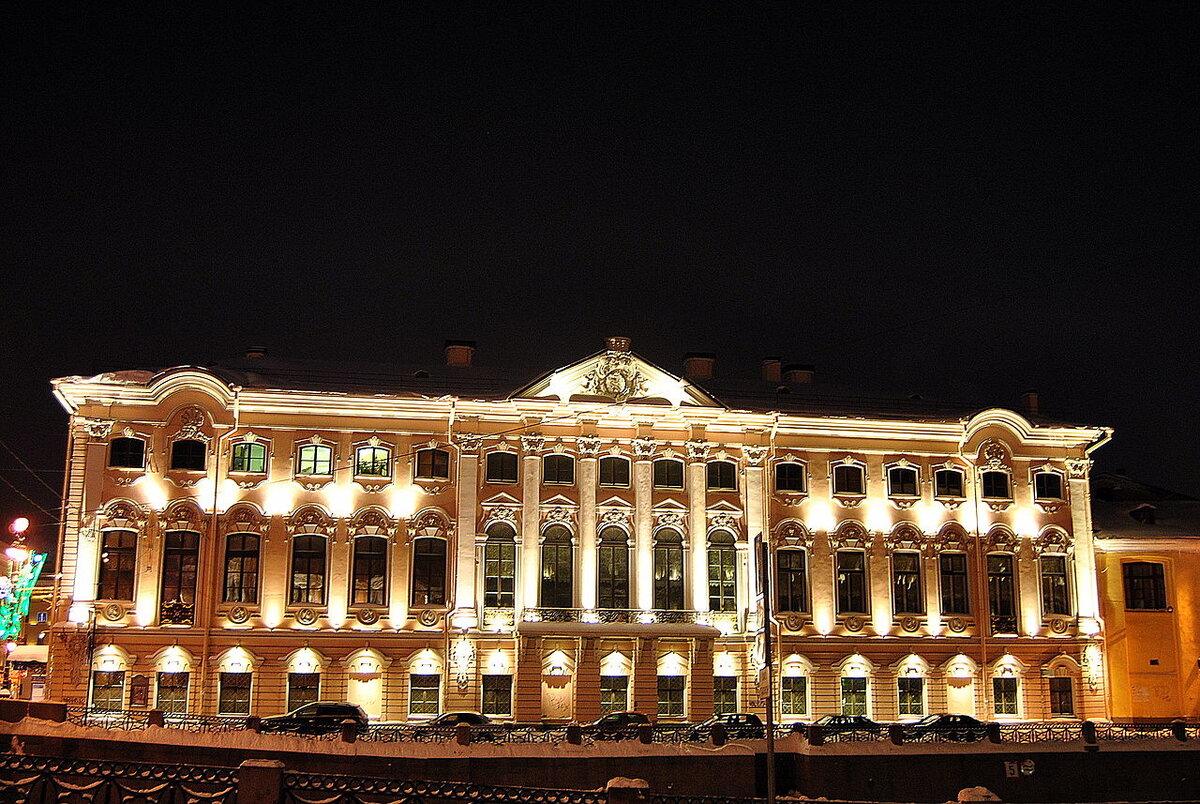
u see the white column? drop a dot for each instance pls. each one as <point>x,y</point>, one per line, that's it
<point>879,579</point>
<point>643,526</point>
<point>756,523</point>
<point>467,493</point>
<point>91,477</point>
<point>586,592</point>
<point>697,536</point>
<point>1029,613</point>
<point>530,518</point>
<point>1087,595</point>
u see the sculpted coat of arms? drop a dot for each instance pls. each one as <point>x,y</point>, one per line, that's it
<point>615,376</point>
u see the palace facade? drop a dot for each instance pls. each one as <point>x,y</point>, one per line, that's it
<point>249,537</point>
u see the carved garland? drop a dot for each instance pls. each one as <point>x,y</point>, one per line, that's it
<point>851,535</point>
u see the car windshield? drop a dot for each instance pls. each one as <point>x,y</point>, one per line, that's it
<point>928,720</point>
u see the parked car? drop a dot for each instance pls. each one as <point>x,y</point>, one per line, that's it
<point>616,726</point>
<point>960,728</point>
<point>838,724</point>
<point>738,725</point>
<point>443,726</point>
<point>321,717</point>
<point>454,718</point>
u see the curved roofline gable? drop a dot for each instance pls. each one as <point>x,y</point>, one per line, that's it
<point>623,377</point>
<point>179,378</point>
<point>1021,427</point>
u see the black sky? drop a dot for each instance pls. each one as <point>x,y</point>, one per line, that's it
<point>951,198</point>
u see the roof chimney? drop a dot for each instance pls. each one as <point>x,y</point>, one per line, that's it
<point>256,352</point>
<point>772,369</point>
<point>617,343</point>
<point>458,353</point>
<point>698,365</point>
<point>798,373</point>
<point>1029,403</point>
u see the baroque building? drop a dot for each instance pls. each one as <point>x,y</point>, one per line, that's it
<point>252,536</point>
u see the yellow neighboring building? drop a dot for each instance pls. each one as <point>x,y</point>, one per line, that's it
<point>259,534</point>
<point>1148,557</point>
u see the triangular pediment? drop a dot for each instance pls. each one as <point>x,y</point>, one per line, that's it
<point>615,502</point>
<point>617,375</point>
<point>723,506</point>
<point>501,499</point>
<point>670,505</point>
<point>560,500</point>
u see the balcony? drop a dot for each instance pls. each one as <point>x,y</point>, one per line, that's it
<point>1003,625</point>
<point>176,612</point>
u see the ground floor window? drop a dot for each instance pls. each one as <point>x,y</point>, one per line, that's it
<point>854,696</point>
<point>614,694</point>
<point>172,693</point>
<point>303,688</point>
<point>234,695</point>
<point>1004,694</point>
<point>670,696</point>
<point>911,693</point>
<point>795,696</point>
<point>108,690</point>
<point>497,695</point>
<point>725,694</point>
<point>423,694</point>
<point>1062,699</point>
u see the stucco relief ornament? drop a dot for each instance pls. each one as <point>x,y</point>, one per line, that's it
<point>994,455</point>
<point>956,624</point>
<point>306,616</point>
<point>429,617</point>
<point>469,442</point>
<point>112,612</point>
<point>615,376</point>
<point>910,624</point>
<point>1078,468</point>
<point>191,424</point>
<point>697,449</point>
<point>755,455</point>
<point>559,515</point>
<point>615,516</point>
<point>239,615</point>
<point>502,513</point>
<point>97,428</point>
<point>723,520</point>
<point>533,442</point>
<point>854,624</point>
<point>588,446</point>
<point>793,622</point>
<point>644,447</point>
<point>670,519</point>
<point>367,616</point>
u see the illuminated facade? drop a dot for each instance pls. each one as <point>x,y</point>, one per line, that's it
<point>250,537</point>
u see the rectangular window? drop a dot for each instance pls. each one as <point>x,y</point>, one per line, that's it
<point>558,470</point>
<point>172,693</point>
<point>234,695</point>
<point>848,480</point>
<point>423,695</point>
<point>614,472</point>
<point>902,482</point>
<point>789,477</point>
<point>373,462</point>
<point>1004,695</point>
<point>725,694</point>
<point>370,571</point>
<point>127,453</point>
<point>668,474</point>
<point>497,695</point>
<point>1047,486</point>
<point>1055,599</point>
<point>854,696</point>
<point>108,690</point>
<point>249,457</point>
<point>906,583</point>
<point>499,573</point>
<point>1145,586</point>
<point>795,696</point>
<point>852,581</point>
<point>241,568</point>
<point>117,560</point>
<point>792,578</point>
<point>180,557</point>
<point>722,574</point>
<point>433,464</point>
<point>722,476</point>
<point>612,571</point>
<point>614,694</point>
<point>303,688</point>
<point>955,599</point>
<point>308,569</point>
<point>670,696</point>
<point>315,459</point>
<point>668,574</point>
<point>995,485</point>
<point>910,692</point>
<point>1001,585</point>
<point>501,467</point>
<point>1062,699</point>
<point>948,483</point>
<point>429,572</point>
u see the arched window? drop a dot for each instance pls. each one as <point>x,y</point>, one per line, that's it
<point>722,476</point>
<point>501,467</point>
<point>189,454</point>
<point>370,571</point>
<point>373,462</point>
<point>1145,586</point>
<point>433,464</point>
<point>117,563</point>
<point>180,556</point>
<point>308,569</point>
<point>722,571</point>
<point>241,568</point>
<point>902,482</point>
<point>789,477</point>
<point>668,474</point>
<point>614,471</point>
<point>995,485</point>
<point>668,570</point>
<point>792,580</point>
<point>429,572</point>
<point>500,565</point>
<point>948,483</point>
<point>613,570</point>
<point>558,470</point>
<point>315,459</point>
<point>248,457</point>
<point>1048,486</point>
<point>127,453</point>
<point>848,479</point>
<point>556,568</point>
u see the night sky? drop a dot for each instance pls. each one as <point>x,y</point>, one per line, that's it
<point>960,200</point>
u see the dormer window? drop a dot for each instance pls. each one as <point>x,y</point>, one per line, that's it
<point>248,457</point>
<point>995,485</point>
<point>189,455</point>
<point>315,459</point>
<point>1143,514</point>
<point>127,453</point>
<point>849,479</point>
<point>1047,486</point>
<point>902,482</point>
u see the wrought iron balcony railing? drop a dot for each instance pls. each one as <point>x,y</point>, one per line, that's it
<point>176,612</point>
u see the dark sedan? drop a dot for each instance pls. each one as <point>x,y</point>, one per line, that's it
<point>957,728</point>
<point>616,726</point>
<point>322,717</point>
<point>738,726</point>
<point>839,724</point>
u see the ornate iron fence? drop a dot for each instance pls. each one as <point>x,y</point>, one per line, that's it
<point>315,788</point>
<point>43,780</point>
<point>1048,732</point>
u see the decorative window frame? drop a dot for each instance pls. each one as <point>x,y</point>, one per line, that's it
<point>1009,666</point>
<point>790,497</point>
<point>1051,505</point>
<point>502,447</point>
<point>194,425</point>
<point>672,458</point>
<point>429,523</point>
<point>614,454</point>
<point>247,480</point>
<point>312,482</point>
<point>912,666</point>
<point>373,484</point>
<point>1064,666</point>
<point>950,501</point>
<point>308,520</point>
<point>433,485</point>
<point>798,666</point>
<point>372,521</point>
<point>848,499</point>
<point>857,666</point>
<point>128,475</point>
<point>994,456</point>
<point>556,452</point>
<point>737,471</point>
<point>903,501</point>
